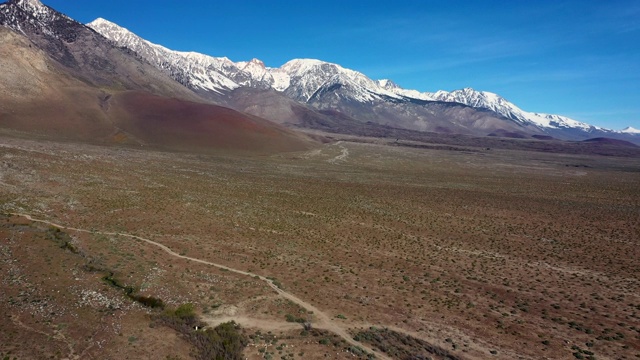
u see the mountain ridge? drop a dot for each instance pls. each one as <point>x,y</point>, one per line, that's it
<point>306,79</point>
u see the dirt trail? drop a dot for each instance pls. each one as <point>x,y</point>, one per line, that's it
<point>343,155</point>
<point>323,321</point>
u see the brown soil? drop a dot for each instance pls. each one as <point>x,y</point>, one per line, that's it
<point>504,254</point>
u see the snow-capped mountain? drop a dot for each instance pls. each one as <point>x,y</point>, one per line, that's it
<point>325,85</point>
<point>310,78</point>
<point>301,79</point>
<point>412,94</point>
<point>192,69</point>
<point>630,130</point>
<point>493,102</point>
<point>496,103</point>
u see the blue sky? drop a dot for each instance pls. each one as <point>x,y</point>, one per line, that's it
<point>575,58</point>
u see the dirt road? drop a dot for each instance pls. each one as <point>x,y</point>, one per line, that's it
<point>323,320</point>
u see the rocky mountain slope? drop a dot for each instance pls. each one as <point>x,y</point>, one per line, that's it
<point>61,79</point>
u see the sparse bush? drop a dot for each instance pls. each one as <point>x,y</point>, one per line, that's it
<point>225,341</point>
<point>130,292</point>
<point>149,301</point>
<point>401,346</point>
<point>185,311</point>
<point>62,239</point>
<point>291,318</point>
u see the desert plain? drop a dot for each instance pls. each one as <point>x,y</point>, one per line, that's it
<point>351,249</point>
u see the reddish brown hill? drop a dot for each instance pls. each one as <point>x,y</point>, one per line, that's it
<point>185,125</point>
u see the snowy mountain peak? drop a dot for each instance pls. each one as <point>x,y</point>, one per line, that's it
<point>107,26</point>
<point>471,97</point>
<point>116,33</point>
<point>189,68</point>
<point>257,62</point>
<point>630,130</point>
<point>100,22</point>
<point>490,101</point>
<point>301,66</point>
<point>311,79</point>
<point>387,84</point>
<point>255,67</point>
<point>30,5</point>
<point>303,62</point>
<point>33,7</point>
<point>26,16</point>
<point>394,88</point>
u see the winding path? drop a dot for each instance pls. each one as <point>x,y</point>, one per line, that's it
<point>323,321</point>
<point>343,155</point>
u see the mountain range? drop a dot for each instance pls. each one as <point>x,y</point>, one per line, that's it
<point>104,72</point>
<point>307,80</point>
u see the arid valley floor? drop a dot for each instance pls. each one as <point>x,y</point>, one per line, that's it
<point>475,254</point>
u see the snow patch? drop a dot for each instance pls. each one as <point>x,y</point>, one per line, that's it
<point>33,6</point>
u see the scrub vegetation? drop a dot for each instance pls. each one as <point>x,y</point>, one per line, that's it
<point>478,254</point>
